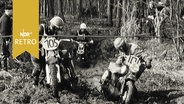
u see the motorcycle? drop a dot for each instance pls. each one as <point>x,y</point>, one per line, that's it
<point>55,73</point>
<point>123,90</point>
<point>82,54</point>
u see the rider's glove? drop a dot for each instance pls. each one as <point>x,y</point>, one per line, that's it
<point>71,40</point>
<point>120,60</point>
<point>7,42</point>
<point>91,42</point>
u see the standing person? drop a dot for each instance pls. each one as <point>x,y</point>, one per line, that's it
<point>151,17</point>
<point>151,10</point>
<point>5,30</point>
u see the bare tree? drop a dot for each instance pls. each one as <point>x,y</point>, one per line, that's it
<point>60,9</point>
<point>74,7</point>
<point>119,13</point>
<point>178,25</point>
<point>80,8</point>
<point>50,8</point>
<point>123,11</point>
<point>43,8</point>
<point>109,12</point>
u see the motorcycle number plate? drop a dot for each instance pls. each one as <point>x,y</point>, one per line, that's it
<point>50,43</point>
<point>80,49</point>
<point>133,62</point>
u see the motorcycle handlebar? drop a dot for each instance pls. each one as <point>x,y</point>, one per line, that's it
<point>66,40</point>
<point>79,42</point>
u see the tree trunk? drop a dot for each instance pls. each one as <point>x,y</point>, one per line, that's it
<point>74,7</point>
<point>157,27</point>
<point>128,9</point>
<point>80,8</point>
<point>109,12</point>
<point>99,13</point>
<point>44,8</point>
<point>41,7</point>
<point>90,8</point>
<point>119,13</point>
<point>123,12</point>
<point>50,8</point>
<point>71,6</point>
<point>114,8</point>
<point>171,9</point>
<point>142,8</point>
<point>178,39</point>
<point>60,9</point>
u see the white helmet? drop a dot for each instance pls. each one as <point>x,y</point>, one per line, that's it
<point>160,3</point>
<point>57,21</point>
<point>118,42</point>
<point>83,26</point>
<point>151,4</point>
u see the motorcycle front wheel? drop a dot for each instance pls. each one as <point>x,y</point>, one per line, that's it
<point>128,93</point>
<point>54,81</point>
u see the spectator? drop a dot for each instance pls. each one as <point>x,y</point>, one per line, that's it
<point>6,30</point>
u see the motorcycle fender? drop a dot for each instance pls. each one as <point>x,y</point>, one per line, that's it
<point>58,73</point>
<point>48,78</point>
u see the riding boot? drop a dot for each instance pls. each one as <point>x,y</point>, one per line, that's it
<point>4,64</point>
<point>35,76</point>
<point>42,76</point>
<point>72,69</point>
<point>36,70</point>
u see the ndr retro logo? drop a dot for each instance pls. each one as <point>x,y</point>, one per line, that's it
<point>25,39</point>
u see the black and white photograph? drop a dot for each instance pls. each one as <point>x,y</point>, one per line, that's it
<point>97,52</point>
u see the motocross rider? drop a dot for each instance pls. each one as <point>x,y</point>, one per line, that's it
<point>81,33</point>
<point>124,48</point>
<point>50,29</point>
